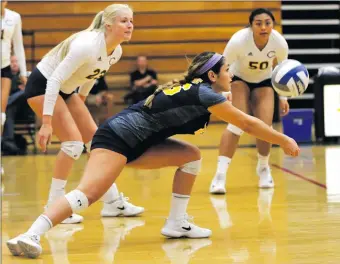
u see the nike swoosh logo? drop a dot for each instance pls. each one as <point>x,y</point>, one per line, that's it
<point>187,228</point>
<point>121,208</point>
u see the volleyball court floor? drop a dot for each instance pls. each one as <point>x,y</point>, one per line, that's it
<point>296,222</point>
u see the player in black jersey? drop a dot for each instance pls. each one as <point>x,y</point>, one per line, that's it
<point>139,137</point>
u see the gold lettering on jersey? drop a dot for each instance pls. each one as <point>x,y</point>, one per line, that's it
<point>197,81</point>
<point>177,89</point>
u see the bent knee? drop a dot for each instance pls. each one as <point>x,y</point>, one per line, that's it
<point>192,153</point>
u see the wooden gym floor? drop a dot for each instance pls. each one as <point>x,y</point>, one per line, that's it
<point>297,222</point>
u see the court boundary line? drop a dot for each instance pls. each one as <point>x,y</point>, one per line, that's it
<point>299,176</point>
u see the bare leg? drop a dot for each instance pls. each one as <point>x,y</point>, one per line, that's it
<point>229,140</point>
<point>64,127</point>
<point>263,108</point>
<point>187,157</point>
<point>66,130</point>
<point>112,199</point>
<point>5,89</point>
<point>102,180</point>
<point>168,154</point>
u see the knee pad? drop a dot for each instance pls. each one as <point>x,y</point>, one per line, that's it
<point>3,118</point>
<point>192,167</point>
<point>77,200</point>
<point>88,146</point>
<point>73,148</point>
<point>235,130</point>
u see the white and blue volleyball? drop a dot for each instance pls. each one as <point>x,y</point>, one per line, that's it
<point>290,78</point>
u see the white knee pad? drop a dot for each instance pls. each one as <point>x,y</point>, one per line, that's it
<point>88,146</point>
<point>77,200</point>
<point>3,118</point>
<point>193,167</point>
<point>73,148</point>
<point>235,130</point>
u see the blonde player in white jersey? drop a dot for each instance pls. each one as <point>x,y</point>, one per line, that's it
<point>77,62</point>
<point>252,53</point>
<point>11,36</point>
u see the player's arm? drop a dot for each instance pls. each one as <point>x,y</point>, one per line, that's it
<point>253,126</point>
<point>74,59</point>
<point>18,47</point>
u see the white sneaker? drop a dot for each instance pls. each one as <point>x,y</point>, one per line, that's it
<point>121,207</point>
<point>266,179</point>
<point>217,185</point>
<point>13,246</point>
<point>26,243</point>
<point>73,219</point>
<point>183,228</point>
<point>2,171</point>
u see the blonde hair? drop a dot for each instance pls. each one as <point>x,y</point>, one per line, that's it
<point>189,76</point>
<point>105,17</point>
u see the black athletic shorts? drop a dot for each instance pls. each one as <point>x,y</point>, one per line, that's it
<point>6,73</point>
<point>106,138</point>
<point>36,85</point>
<point>252,86</point>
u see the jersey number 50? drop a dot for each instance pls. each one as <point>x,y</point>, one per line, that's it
<point>254,65</point>
<point>177,89</point>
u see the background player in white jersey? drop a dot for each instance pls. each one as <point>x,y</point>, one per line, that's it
<point>77,62</point>
<point>252,53</point>
<point>11,34</point>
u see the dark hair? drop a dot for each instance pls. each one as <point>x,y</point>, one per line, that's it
<point>259,11</point>
<point>190,75</point>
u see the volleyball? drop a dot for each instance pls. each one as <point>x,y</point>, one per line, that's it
<point>290,78</point>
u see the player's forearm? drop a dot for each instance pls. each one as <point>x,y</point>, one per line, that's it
<point>260,130</point>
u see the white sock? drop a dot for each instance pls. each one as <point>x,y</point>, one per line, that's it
<point>223,163</point>
<point>263,161</point>
<point>111,195</point>
<point>57,190</point>
<point>40,226</point>
<point>179,204</point>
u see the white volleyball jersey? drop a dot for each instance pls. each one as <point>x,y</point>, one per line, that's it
<point>11,33</point>
<point>85,62</point>
<point>247,61</point>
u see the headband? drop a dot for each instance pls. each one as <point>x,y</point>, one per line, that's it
<point>210,63</point>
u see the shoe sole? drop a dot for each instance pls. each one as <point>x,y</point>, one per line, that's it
<point>69,223</point>
<point>66,221</point>
<point>173,234</point>
<point>29,250</point>
<point>266,186</point>
<point>120,214</point>
<point>14,249</point>
<point>220,191</point>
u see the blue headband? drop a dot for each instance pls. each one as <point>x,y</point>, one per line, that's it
<point>210,63</point>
